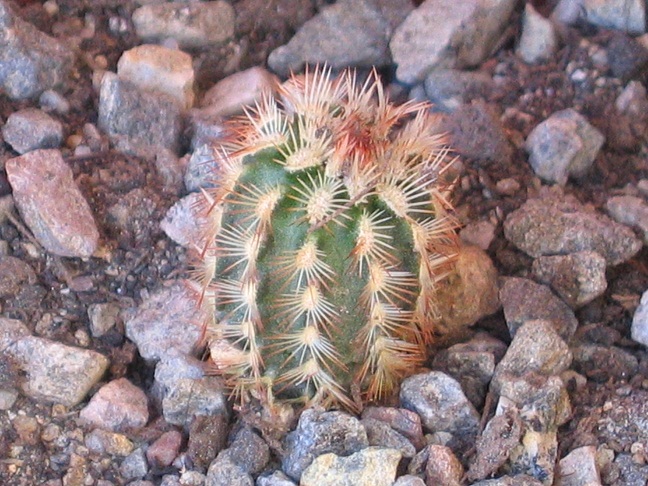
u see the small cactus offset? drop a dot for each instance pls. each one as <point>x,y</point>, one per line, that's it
<point>328,231</point>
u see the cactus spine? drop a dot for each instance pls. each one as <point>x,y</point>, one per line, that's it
<point>328,232</point>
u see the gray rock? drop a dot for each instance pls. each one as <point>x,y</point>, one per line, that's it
<point>443,467</point>
<point>381,434</point>
<point>538,41</point>
<point>626,56</point>
<point>640,321</point>
<point>51,204</point>
<point>632,101</point>
<point>447,34</point>
<point>185,222</point>
<point>277,478</point>
<point>118,406</point>
<point>191,24</point>
<point>318,433</point>
<point>168,323</point>
<point>524,300</point>
<point>578,278</point>
<point>30,61</point>
<point>448,89</point>
<point>553,226</point>
<point>442,405</point>
<point>536,347</point>
<point>207,437</point>
<point>158,68</point>
<point>629,472</point>
<point>52,101</point>
<point>31,129</point>
<point>55,372</point>
<point>189,398</point>
<point>625,15</point>
<point>563,145</point>
<point>347,33</point>
<point>134,466</point>
<point>137,117</point>
<point>223,472</point>
<point>516,480</point>
<point>373,466</point>
<point>580,467</point>
<point>204,129</point>
<point>248,451</point>
<point>631,211</point>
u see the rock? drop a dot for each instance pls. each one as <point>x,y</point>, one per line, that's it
<point>476,132</point>
<point>631,211</point>
<point>447,34</point>
<point>603,363</point>
<point>51,204</point>
<point>223,472</point>
<point>158,68</point>
<point>101,441</point>
<point>164,450</point>
<point>579,467</point>
<point>30,61</point>
<point>625,15</point>
<point>409,480</point>
<point>382,435</point>
<point>55,372</point>
<point>401,420</point>
<point>373,466</point>
<point>524,300</point>
<point>118,406</point>
<point>277,478</point>
<point>627,57</point>
<point>185,223</point>
<point>536,347</point>
<point>248,451</point>
<point>557,227</point>
<point>202,167</point>
<point>443,467</point>
<point>449,89</point>
<point>11,331</point>
<point>14,272</point>
<point>442,405</point>
<point>507,187</point>
<point>134,466</point>
<point>347,33</point>
<point>207,437</point>
<point>191,24</point>
<point>563,145</point>
<point>632,101</point>
<point>478,233</point>
<point>640,321</point>
<point>189,398</point>
<point>578,278</point>
<point>52,101</point>
<point>319,433</point>
<point>165,324</point>
<point>245,88</point>
<point>469,293</point>
<point>30,129</point>
<point>103,317</point>
<point>136,117</point>
<point>538,41</point>
<point>173,368</point>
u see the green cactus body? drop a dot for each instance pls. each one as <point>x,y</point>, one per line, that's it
<point>328,231</point>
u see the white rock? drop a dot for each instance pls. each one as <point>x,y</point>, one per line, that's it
<point>640,321</point>
<point>154,67</point>
<point>538,41</point>
<point>626,15</point>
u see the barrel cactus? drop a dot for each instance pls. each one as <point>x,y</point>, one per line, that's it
<point>327,233</point>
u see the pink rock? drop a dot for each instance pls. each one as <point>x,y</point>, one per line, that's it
<point>51,204</point>
<point>117,406</point>
<point>164,450</point>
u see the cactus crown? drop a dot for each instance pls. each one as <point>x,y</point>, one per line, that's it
<point>328,231</point>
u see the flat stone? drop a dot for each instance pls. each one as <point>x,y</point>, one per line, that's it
<point>118,406</point>
<point>30,129</point>
<point>51,204</point>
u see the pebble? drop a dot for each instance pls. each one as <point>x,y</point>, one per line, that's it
<point>640,321</point>
<point>536,347</point>
<point>579,468</point>
<point>382,435</point>
<point>31,129</point>
<point>191,24</point>
<point>55,372</point>
<point>248,451</point>
<point>167,323</point>
<point>118,406</point>
<point>578,278</point>
<point>442,33</point>
<point>625,15</point>
<point>442,406</point>
<point>223,472</point>
<point>443,467</point>
<point>603,363</point>
<point>478,233</point>
<point>101,441</point>
<point>632,100</point>
<point>51,204</point>
<point>103,317</point>
<point>134,465</point>
<point>473,282</point>
<point>347,33</point>
<point>137,118</point>
<point>538,41</point>
<point>11,331</point>
<point>230,95</point>
<point>403,421</point>
<point>524,300</point>
<point>556,226</point>
<point>14,273</point>
<point>185,221</point>
<point>631,211</point>
<point>563,145</point>
<point>373,466</point>
<point>53,101</point>
<point>164,450</point>
<point>277,478</point>
<point>158,68</point>
<point>319,432</point>
<point>207,437</point>
<point>627,57</point>
<point>449,89</point>
<point>202,167</point>
<point>30,61</point>
<point>189,398</point>
<point>409,480</point>
<point>517,480</point>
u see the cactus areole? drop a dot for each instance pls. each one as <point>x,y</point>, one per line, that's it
<point>328,231</point>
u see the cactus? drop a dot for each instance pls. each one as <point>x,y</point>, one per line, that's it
<point>328,230</point>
